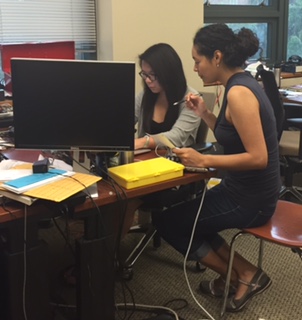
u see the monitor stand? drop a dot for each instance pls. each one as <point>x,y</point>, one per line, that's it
<point>82,164</point>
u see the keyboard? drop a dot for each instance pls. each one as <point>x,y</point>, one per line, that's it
<point>141,151</point>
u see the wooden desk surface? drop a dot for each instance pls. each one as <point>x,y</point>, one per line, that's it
<point>107,194</point>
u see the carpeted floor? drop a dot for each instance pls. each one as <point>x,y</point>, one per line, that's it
<point>159,280</point>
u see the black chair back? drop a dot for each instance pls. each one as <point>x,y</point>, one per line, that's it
<point>272,91</point>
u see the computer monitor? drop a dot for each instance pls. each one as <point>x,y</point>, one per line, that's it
<point>73,104</point>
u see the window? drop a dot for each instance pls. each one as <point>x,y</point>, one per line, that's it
<point>294,44</point>
<point>267,18</point>
<point>44,21</point>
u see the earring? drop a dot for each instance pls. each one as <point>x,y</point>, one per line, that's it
<point>217,65</point>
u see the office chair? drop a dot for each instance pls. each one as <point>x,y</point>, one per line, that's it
<point>290,156</point>
<point>284,228</point>
<point>172,197</point>
<point>271,89</point>
<point>291,151</point>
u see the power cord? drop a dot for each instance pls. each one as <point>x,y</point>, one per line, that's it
<point>152,309</point>
<point>187,253</point>
<point>24,264</point>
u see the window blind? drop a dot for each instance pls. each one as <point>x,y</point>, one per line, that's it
<point>53,20</point>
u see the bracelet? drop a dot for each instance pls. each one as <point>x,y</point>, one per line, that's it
<point>146,144</point>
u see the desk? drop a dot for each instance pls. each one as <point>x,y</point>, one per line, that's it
<point>94,252</point>
<point>293,99</point>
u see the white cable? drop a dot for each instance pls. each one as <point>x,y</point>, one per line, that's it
<point>149,307</point>
<point>24,262</point>
<point>187,253</point>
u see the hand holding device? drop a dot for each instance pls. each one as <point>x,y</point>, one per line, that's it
<point>189,157</point>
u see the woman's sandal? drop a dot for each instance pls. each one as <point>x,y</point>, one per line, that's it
<point>214,290</point>
<point>259,283</point>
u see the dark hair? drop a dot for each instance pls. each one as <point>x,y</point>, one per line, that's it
<point>236,47</point>
<point>167,66</point>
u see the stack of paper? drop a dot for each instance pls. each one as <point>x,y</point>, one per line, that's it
<point>28,182</point>
<point>17,197</point>
<point>55,185</point>
<point>64,188</point>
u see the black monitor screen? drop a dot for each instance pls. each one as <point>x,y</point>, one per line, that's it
<point>73,104</point>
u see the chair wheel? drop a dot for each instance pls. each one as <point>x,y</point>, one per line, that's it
<point>127,274</point>
<point>200,267</point>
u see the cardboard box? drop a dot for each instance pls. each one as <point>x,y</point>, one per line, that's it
<point>142,173</point>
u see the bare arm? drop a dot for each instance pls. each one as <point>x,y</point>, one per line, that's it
<point>144,142</point>
<point>245,117</point>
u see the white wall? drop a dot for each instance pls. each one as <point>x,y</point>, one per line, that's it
<point>128,27</point>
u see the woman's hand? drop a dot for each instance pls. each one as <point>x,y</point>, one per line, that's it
<point>139,143</point>
<point>144,142</point>
<point>196,104</point>
<point>189,157</point>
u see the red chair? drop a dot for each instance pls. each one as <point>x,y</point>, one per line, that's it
<point>284,228</point>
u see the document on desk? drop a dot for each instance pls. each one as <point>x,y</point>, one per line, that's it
<point>34,180</point>
<point>12,174</point>
<point>62,189</point>
<point>17,197</point>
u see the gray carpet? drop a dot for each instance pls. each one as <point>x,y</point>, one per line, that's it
<point>158,280</point>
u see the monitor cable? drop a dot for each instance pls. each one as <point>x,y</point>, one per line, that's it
<point>24,264</point>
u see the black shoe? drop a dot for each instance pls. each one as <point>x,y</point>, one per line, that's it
<point>209,288</point>
<point>259,283</point>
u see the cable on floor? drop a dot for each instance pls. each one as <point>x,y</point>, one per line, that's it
<point>187,253</point>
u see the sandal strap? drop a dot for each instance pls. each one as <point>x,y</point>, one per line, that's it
<point>254,284</point>
<point>249,284</point>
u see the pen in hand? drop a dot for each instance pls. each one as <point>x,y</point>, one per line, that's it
<point>184,100</point>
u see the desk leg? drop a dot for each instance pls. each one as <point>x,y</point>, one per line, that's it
<point>95,265</point>
<point>95,288</point>
<point>12,273</point>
